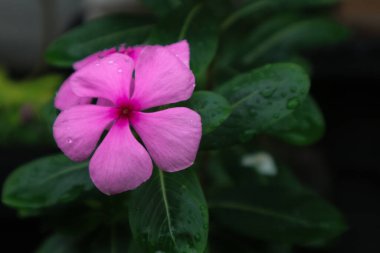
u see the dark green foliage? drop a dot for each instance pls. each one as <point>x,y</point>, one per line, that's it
<point>46,182</point>
<point>96,35</point>
<point>213,108</point>
<point>199,27</point>
<point>252,80</point>
<point>303,127</point>
<point>279,214</point>
<point>259,99</point>
<point>169,213</point>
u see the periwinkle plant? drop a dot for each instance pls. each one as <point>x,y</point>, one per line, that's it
<point>251,80</point>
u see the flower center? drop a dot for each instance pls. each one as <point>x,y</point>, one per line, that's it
<point>125,111</point>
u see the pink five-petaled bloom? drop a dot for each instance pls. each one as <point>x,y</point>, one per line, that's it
<point>126,82</point>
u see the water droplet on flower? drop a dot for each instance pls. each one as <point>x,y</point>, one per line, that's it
<point>293,103</point>
<point>69,140</point>
<point>119,70</point>
<point>110,62</point>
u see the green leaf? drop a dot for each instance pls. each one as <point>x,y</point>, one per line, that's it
<point>304,3</point>
<point>96,35</point>
<point>252,8</point>
<point>199,27</point>
<point>225,242</point>
<point>286,34</point>
<point>295,4</point>
<point>257,9</point>
<point>134,247</point>
<point>162,7</point>
<point>58,243</point>
<point>106,240</point>
<point>304,126</point>
<point>46,182</point>
<point>278,214</point>
<point>240,166</point>
<point>169,213</point>
<point>213,108</point>
<point>259,99</point>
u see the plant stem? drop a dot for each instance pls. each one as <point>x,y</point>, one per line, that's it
<point>166,203</point>
<point>113,239</point>
<point>242,12</point>
<point>188,20</point>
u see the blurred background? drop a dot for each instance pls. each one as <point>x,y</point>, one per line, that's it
<point>343,166</point>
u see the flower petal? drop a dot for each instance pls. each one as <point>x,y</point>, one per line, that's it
<point>161,78</point>
<point>78,129</point>
<point>134,52</point>
<point>66,98</point>
<point>93,57</point>
<point>171,136</point>
<point>120,163</point>
<point>104,102</point>
<point>181,49</point>
<point>109,78</point>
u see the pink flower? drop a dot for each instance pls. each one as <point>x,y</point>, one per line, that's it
<point>66,98</point>
<point>127,82</point>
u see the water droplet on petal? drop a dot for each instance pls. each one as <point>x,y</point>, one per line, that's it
<point>120,70</point>
<point>110,62</point>
<point>69,140</point>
